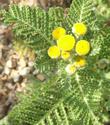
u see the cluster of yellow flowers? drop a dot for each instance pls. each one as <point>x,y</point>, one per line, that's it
<point>68,44</point>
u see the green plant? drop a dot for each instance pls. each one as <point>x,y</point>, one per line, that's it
<point>4,121</point>
<point>79,99</point>
<point>103,9</point>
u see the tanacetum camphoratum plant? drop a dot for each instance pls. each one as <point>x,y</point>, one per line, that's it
<point>65,45</point>
<point>73,52</point>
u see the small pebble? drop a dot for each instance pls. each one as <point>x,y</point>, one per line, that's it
<point>40,77</point>
<point>9,64</point>
<point>2,61</point>
<point>7,71</point>
<point>22,63</point>
<point>9,86</point>
<point>35,72</point>
<point>23,84</point>
<point>30,64</point>
<point>4,78</point>
<point>18,87</point>
<point>2,29</point>
<point>25,71</point>
<point>15,56</point>
<point>12,63</point>
<point>15,76</point>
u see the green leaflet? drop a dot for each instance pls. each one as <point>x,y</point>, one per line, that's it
<point>25,26</point>
<point>63,102</point>
<point>44,62</point>
<point>105,50</point>
<point>35,26</point>
<point>37,111</point>
<point>4,121</point>
<point>103,9</point>
<point>82,11</point>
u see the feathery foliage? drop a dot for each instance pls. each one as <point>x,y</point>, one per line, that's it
<point>82,11</point>
<point>34,25</point>
<point>63,99</point>
<point>103,9</point>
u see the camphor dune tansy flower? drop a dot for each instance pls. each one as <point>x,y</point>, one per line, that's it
<point>66,42</point>
<point>80,62</point>
<point>65,55</point>
<point>70,69</point>
<point>79,29</point>
<point>54,52</point>
<point>69,46</point>
<point>82,47</point>
<point>58,32</point>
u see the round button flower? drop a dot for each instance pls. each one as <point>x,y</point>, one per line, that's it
<point>70,69</point>
<point>79,29</point>
<point>54,52</point>
<point>80,62</point>
<point>66,42</point>
<point>58,32</point>
<point>65,55</point>
<point>82,47</point>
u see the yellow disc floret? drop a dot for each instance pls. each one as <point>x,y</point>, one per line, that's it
<point>66,42</point>
<point>54,52</point>
<point>58,32</point>
<point>82,47</point>
<point>70,69</point>
<point>65,55</point>
<point>80,62</point>
<point>79,29</point>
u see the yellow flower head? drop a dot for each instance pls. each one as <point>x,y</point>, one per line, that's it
<point>80,62</point>
<point>79,29</point>
<point>66,42</point>
<point>54,52</point>
<point>82,47</point>
<point>70,69</point>
<point>65,55</point>
<point>58,32</point>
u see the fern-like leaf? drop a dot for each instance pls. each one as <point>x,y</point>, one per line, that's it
<point>50,110</point>
<point>29,23</point>
<point>81,11</point>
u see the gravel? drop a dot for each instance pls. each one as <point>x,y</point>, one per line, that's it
<point>14,72</point>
